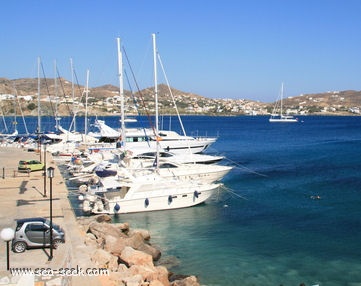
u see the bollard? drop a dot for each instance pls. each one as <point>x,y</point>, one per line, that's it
<point>3,172</point>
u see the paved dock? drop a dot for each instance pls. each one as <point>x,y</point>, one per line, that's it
<point>22,195</point>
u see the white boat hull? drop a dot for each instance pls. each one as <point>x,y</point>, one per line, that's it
<point>286,120</point>
<point>207,174</point>
<point>163,199</point>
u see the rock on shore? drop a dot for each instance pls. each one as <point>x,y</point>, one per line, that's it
<point>128,254</point>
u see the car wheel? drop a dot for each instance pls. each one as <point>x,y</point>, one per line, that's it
<point>56,243</point>
<point>19,246</point>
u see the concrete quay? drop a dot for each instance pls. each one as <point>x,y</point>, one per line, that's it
<point>22,196</point>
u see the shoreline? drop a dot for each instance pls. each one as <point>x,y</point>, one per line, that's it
<point>23,196</point>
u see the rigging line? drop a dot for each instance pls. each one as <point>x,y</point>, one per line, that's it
<point>245,168</point>
<point>233,192</point>
<point>63,90</point>
<point>78,85</point>
<point>132,93</point>
<point>3,117</point>
<point>171,93</point>
<point>140,94</point>
<point>47,89</point>
<point>80,100</point>
<point>21,110</point>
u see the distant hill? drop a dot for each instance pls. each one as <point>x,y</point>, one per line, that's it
<point>104,100</point>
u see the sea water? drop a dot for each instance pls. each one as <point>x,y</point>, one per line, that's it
<point>289,212</point>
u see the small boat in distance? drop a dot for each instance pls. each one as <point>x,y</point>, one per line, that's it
<point>277,113</point>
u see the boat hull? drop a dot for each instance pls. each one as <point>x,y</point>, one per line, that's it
<point>283,120</point>
<point>149,201</point>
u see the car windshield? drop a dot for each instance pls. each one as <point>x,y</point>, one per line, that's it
<point>57,227</point>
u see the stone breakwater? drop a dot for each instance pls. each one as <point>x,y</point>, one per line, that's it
<point>128,254</point>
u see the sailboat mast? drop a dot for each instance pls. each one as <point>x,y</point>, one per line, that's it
<point>15,119</point>
<point>155,84</point>
<point>72,93</point>
<point>86,104</point>
<point>156,97</point>
<point>281,111</point>
<point>121,91</point>
<point>56,98</point>
<point>39,111</point>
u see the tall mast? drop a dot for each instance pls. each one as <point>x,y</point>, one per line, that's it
<point>282,99</point>
<point>155,84</point>
<point>156,98</point>
<point>56,97</point>
<point>39,109</point>
<point>15,119</point>
<point>121,91</point>
<point>86,104</point>
<point>72,92</point>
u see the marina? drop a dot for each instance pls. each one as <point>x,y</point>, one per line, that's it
<point>265,225</point>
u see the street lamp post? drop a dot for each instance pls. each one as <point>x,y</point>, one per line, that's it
<point>50,171</point>
<point>7,234</point>
<point>44,194</point>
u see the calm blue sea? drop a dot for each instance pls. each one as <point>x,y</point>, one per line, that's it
<point>265,228</point>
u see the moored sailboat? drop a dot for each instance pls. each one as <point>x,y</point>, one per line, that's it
<point>277,113</point>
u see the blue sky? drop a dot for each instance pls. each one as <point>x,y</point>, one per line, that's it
<point>217,49</point>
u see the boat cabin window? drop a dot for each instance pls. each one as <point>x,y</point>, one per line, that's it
<point>137,139</point>
<point>118,192</point>
<point>165,155</point>
<point>167,165</point>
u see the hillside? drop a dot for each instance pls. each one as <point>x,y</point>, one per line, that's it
<point>104,100</point>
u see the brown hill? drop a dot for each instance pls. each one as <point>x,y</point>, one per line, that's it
<point>103,100</point>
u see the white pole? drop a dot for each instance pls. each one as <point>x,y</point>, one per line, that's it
<point>155,84</point>
<point>39,108</point>
<point>56,98</point>
<point>72,92</point>
<point>121,91</point>
<point>86,105</point>
<point>156,97</point>
<point>282,99</point>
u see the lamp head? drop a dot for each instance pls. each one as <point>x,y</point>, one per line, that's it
<point>7,234</point>
<point>50,172</point>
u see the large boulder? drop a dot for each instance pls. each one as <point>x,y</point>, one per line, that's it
<point>116,245</point>
<point>151,273</point>
<point>91,240</point>
<point>103,218</point>
<point>188,281</point>
<point>136,241</point>
<point>104,259</point>
<point>125,278</point>
<point>144,233</point>
<point>100,230</point>
<point>124,227</point>
<point>130,257</point>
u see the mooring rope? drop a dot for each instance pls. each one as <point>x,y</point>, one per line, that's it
<point>229,190</point>
<point>241,167</point>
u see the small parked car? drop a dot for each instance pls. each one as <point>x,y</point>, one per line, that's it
<point>35,233</point>
<point>30,165</point>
